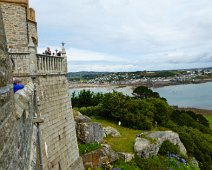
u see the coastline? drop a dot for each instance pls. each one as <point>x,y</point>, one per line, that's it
<point>150,85</point>
<point>206,112</point>
<point>181,83</point>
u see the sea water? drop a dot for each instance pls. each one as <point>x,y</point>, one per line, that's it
<point>189,95</point>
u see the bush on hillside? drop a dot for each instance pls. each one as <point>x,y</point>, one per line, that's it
<point>199,118</point>
<point>191,119</point>
<point>137,121</point>
<point>168,147</point>
<point>154,162</point>
<point>196,143</point>
<point>91,110</point>
<point>86,98</point>
<point>87,147</point>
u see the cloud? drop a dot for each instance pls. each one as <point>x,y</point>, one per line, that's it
<point>106,68</point>
<point>152,33</point>
<point>183,57</point>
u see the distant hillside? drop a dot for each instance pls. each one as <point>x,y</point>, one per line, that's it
<point>85,75</point>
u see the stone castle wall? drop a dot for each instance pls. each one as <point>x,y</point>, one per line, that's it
<point>14,18</point>
<point>18,135</point>
<point>15,134</point>
<point>60,149</point>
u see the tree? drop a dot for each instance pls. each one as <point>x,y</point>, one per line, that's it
<point>85,98</point>
<point>143,92</point>
<point>113,104</point>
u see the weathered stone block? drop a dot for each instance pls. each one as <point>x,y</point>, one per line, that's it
<point>111,131</point>
<point>90,132</point>
<point>97,158</point>
<point>126,157</point>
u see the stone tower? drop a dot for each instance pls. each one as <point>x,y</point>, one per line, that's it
<point>27,142</point>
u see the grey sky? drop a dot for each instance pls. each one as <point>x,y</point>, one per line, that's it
<point>128,35</point>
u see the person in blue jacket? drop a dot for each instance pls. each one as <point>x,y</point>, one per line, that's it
<point>17,85</point>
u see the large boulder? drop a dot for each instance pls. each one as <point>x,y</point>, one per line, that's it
<point>111,131</point>
<point>90,132</point>
<point>80,118</point>
<point>99,157</point>
<point>151,143</point>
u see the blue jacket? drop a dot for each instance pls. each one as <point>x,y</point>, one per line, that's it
<point>17,87</point>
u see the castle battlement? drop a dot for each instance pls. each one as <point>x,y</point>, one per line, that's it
<point>23,65</point>
<point>24,3</point>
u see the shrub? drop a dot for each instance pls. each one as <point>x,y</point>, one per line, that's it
<point>154,162</point>
<point>91,110</point>
<point>121,165</point>
<point>88,147</point>
<point>86,98</point>
<point>197,144</point>
<point>168,147</point>
<point>137,121</point>
<point>199,118</point>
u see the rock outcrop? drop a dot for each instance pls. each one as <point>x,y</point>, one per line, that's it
<point>80,118</point>
<point>126,157</point>
<point>150,144</point>
<point>90,132</point>
<point>87,131</point>
<point>97,158</point>
<point>111,131</point>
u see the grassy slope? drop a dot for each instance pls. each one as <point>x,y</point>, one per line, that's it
<point>209,117</point>
<point>123,143</point>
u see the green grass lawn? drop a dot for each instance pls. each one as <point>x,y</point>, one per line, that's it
<point>209,117</point>
<point>120,144</point>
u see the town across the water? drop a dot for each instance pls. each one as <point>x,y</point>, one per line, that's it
<point>147,78</point>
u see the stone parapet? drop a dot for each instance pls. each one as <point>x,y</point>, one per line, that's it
<point>31,15</point>
<point>18,2</point>
<point>23,65</point>
<point>50,64</point>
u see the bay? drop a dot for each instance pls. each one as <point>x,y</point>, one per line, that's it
<point>125,90</point>
<point>189,95</point>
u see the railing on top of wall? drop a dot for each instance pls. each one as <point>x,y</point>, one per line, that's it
<point>50,64</point>
<point>23,64</point>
